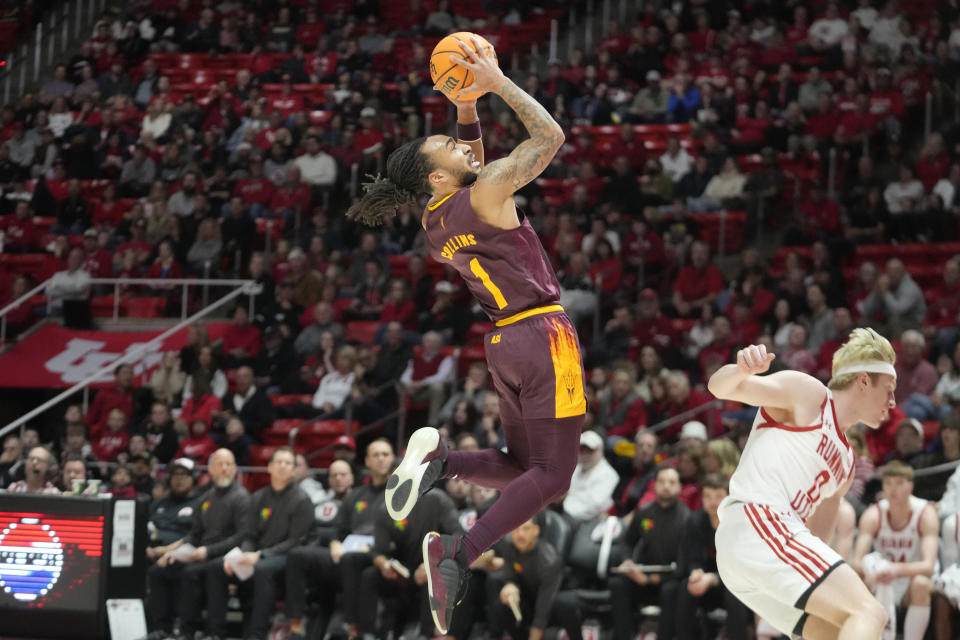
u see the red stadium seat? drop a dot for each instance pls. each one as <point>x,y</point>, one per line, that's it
<point>286,400</point>
<point>144,307</point>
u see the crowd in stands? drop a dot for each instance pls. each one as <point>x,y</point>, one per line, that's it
<point>203,139</point>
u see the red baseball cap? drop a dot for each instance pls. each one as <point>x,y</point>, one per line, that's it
<point>345,441</point>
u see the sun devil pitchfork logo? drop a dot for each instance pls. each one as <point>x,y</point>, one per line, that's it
<point>31,558</point>
<point>82,358</point>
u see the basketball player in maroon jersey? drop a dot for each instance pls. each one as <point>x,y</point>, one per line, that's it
<point>533,353</point>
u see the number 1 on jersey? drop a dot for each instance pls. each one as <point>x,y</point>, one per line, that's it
<point>484,277</point>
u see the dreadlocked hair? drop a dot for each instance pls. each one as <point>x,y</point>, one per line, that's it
<point>406,178</point>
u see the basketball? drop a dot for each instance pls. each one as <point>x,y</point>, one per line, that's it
<point>455,78</point>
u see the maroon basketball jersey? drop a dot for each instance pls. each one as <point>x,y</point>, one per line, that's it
<point>507,270</point>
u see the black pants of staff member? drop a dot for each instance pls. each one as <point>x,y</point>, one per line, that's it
<point>411,596</point>
<point>351,567</point>
<point>565,613</point>
<point>193,591</point>
<point>310,567</point>
<point>626,596</point>
<point>690,626</point>
<point>163,585</point>
<point>266,581</point>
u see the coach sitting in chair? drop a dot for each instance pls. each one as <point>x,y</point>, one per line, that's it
<point>653,538</point>
<point>702,589</point>
<point>281,515</point>
<point>529,584</point>
<point>219,524</point>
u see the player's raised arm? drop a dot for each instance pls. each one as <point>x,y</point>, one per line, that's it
<point>783,390</point>
<point>499,180</point>
<point>468,127</point>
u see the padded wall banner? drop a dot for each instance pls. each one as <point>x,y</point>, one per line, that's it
<point>58,358</point>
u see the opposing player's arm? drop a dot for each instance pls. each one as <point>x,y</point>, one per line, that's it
<point>785,390</point>
<point>869,524</point>
<point>929,543</point>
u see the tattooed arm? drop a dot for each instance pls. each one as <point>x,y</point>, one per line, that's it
<point>499,180</point>
<point>491,197</point>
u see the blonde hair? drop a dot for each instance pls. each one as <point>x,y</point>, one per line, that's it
<point>728,454</point>
<point>896,469</point>
<point>864,345</point>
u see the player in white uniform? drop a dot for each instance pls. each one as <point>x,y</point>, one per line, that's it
<point>905,530</point>
<point>784,495</point>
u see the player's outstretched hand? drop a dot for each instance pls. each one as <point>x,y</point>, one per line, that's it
<point>487,76</point>
<point>754,359</point>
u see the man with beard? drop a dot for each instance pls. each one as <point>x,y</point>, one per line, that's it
<point>219,524</point>
<point>633,489</point>
<point>172,518</point>
<point>653,538</point>
<point>702,588</point>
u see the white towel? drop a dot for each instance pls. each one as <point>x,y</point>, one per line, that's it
<point>948,583</point>
<point>874,563</point>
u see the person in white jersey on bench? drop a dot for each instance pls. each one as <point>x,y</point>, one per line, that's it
<point>785,493</point>
<point>905,531</point>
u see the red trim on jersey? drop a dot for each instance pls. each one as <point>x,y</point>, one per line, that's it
<point>801,567</point>
<point>770,423</point>
<point>909,518</point>
<point>792,542</point>
<point>836,425</point>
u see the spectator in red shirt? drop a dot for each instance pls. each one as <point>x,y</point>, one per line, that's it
<point>202,404</point>
<point>198,446</point>
<point>114,438</point>
<point>680,399</point>
<point>241,341</point>
<point>882,440</point>
<point>842,326</point>
<point>886,103</point>
<point>822,123</point>
<point>698,283</point>
<point>621,412</point>
<point>721,349</point>
<point>651,326</point>
<point>818,219</point>
<point>19,233</point>
<point>165,266</point>
<point>256,189</point>
<point>119,397</point>
<point>399,307</point>
<point>287,103</point>
<point>97,261</point>
<point>292,199</point>
<point>108,211</point>
<point>606,271</point>
<point>860,120</point>
<point>932,163</point>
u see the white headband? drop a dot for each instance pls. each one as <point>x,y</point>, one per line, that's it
<point>876,366</point>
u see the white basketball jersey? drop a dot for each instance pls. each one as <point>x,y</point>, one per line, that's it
<point>793,468</point>
<point>900,545</point>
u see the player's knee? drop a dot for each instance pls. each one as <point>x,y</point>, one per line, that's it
<point>920,589</point>
<point>872,610</point>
